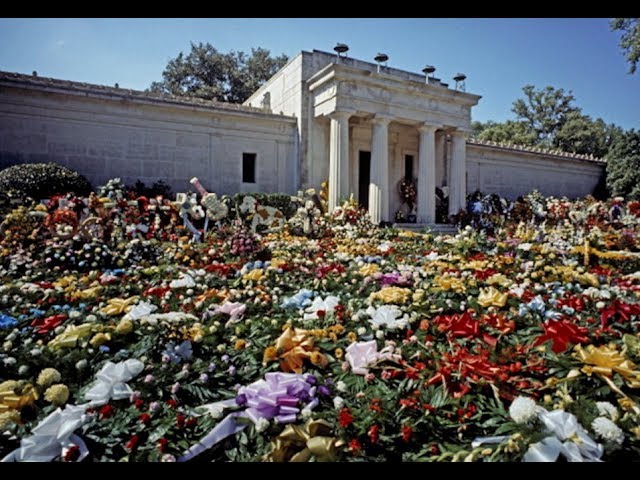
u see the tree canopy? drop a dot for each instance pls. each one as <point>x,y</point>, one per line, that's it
<point>207,73</point>
<point>630,39</point>
<point>549,118</point>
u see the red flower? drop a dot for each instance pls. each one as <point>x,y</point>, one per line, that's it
<point>72,454</point>
<point>375,405</point>
<point>345,418</point>
<point>162,444</point>
<point>407,431</point>
<point>355,445</point>
<point>139,403</point>
<point>191,422</point>
<point>172,403</point>
<point>321,313</point>
<point>144,418</point>
<point>106,412</point>
<point>132,443</point>
<point>180,420</point>
<point>374,434</point>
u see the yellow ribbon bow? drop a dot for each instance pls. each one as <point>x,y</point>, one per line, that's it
<point>492,297</point>
<point>88,293</point>
<point>605,360</point>
<point>254,275</point>
<point>10,400</point>
<point>118,306</point>
<point>292,347</point>
<point>69,338</point>
<point>447,283</point>
<point>388,295</point>
<point>298,443</point>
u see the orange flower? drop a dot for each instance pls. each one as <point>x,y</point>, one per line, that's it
<point>240,344</point>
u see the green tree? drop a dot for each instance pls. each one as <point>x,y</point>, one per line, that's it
<point>630,39</point>
<point>581,134</point>
<point>623,165</point>
<point>207,73</point>
<point>511,131</point>
<point>545,111</point>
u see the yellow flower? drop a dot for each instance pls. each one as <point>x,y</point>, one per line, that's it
<point>124,327</point>
<point>240,344</point>
<point>492,297</point>
<point>369,269</point>
<point>391,295</point>
<point>417,295</point>
<point>57,394</point>
<point>339,353</point>
<point>476,265</point>
<point>450,283</point>
<point>499,279</point>
<point>277,262</point>
<point>100,338</point>
<point>67,281</point>
<point>48,376</point>
<point>626,404</point>
<point>352,337</point>
<point>254,275</point>
<point>9,417</point>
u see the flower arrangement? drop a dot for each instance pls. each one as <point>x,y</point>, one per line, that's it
<point>345,342</point>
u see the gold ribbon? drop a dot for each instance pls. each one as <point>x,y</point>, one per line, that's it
<point>492,297</point>
<point>388,295</point>
<point>587,250</point>
<point>298,443</point>
<point>9,400</point>
<point>605,360</point>
<point>118,306</point>
<point>292,347</point>
<point>70,337</point>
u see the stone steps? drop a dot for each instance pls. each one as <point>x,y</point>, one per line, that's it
<point>441,228</point>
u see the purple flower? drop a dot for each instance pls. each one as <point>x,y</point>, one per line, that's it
<point>324,390</point>
<point>204,378</point>
<point>232,370</point>
<point>241,399</point>
<point>212,367</point>
<point>175,387</point>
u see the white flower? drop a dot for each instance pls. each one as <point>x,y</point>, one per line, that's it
<point>607,430</point>
<point>606,409</point>
<point>81,364</point>
<point>262,424</point>
<point>338,402</point>
<point>362,331</point>
<point>9,361</point>
<point>326,305</point>
<point>523,409</point>
<point>380,334</point>
<point>341,386</point>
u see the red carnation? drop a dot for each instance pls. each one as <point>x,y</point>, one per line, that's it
<point>132,443</point>
<point>144,418</point>
<point>106,412</point>
<point>407,431</point>
<point>345,418</point>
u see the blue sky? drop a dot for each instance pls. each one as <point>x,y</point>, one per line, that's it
<point>499,56</point>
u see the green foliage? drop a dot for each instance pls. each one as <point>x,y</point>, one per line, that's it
<point>545,111</point>
<point>510,131</point>
<point>42,180</point>
<point>158,188</point>
<point>623,165</point>
<point>207,73</point>
<point>630,39</point>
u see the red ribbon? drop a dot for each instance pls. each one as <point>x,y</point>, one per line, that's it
<point>562,333</point>
<point>45,325</point>
<point>625,310</point>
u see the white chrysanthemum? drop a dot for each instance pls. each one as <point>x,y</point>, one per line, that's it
<point>607,430</point>
<point>523,409</point>
<point>262,424</point>
<point>606,409</point>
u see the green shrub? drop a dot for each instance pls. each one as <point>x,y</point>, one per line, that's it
<point>42,180</point>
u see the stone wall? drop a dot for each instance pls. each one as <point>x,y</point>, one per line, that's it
<point>511,171</point>
<point>105,135</point>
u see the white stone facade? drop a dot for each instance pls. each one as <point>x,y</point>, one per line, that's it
<point>319,118</point>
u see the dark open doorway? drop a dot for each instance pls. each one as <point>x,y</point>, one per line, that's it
<point>364,168</point>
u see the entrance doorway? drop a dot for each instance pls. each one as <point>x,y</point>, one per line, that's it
<point>364,169</point>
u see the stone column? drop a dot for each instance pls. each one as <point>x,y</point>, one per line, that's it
<point>379,183</point>
<point>338,158</point>
<point>427,174</point>
<point>458,169</point>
